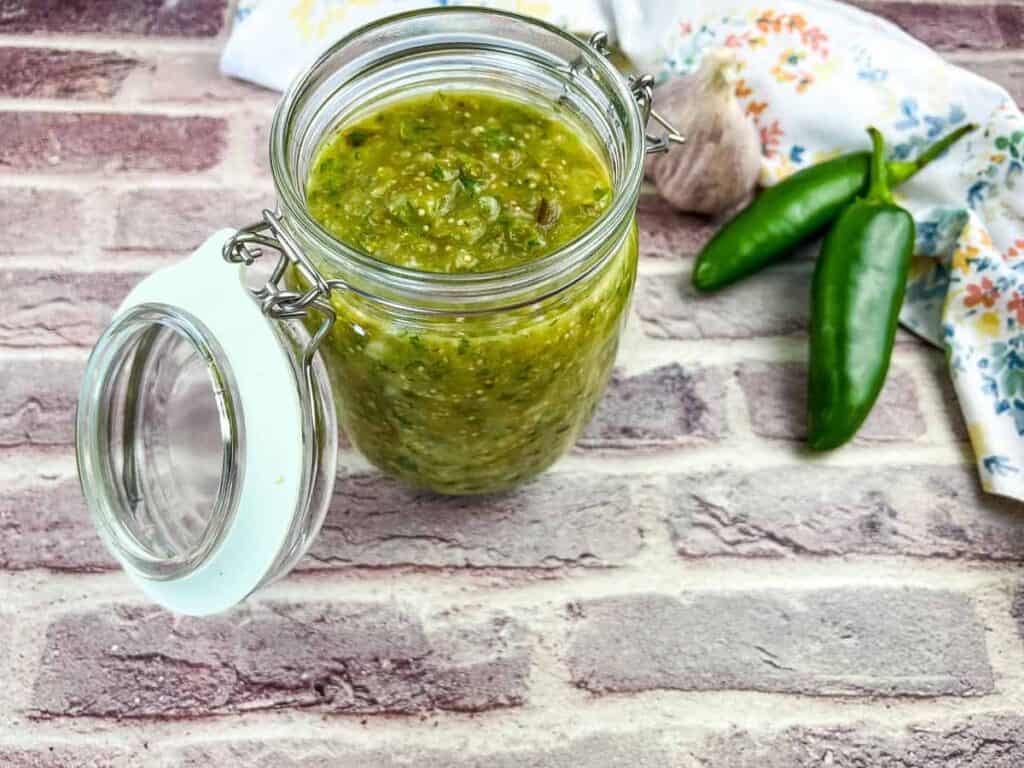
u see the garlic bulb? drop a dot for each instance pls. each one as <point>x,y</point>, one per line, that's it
<point>717,168</point>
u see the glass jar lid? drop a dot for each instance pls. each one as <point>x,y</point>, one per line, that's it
<point>205,436</point>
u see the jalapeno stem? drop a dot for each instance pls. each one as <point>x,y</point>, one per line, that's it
<point>879,186</point>
<point>900,171</point>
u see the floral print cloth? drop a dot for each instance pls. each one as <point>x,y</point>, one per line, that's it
<point>815,74</point>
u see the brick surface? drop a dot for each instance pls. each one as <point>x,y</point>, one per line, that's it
<point>41,221</point>
<point>181,219</point>
<point>113,17</point>
<point>42,73</point>
<point>918,511</point>
<point>559,520</point>
<point>635,751</point>
<point>65,756</point>
<point>67,142</point>
<point>187,77</point>
<point>664,233</point>
<point>950,25</point>
<point>840,642</point>
<point>37,401</point>
<point>360,658</point>
<point>46,524</point>
<point>774,303</point>
<point>260,148</point>
<point>983,741</point>
<point>662,407</point>
<point>1017,609</point>
<point>137,77</point>
<point>777,402</point>
<point>392,646</point>
<point>7,655</point>
<point>48,309</point>
<point>988,741</point>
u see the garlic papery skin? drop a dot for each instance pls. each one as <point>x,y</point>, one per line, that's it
<point>717,168</point>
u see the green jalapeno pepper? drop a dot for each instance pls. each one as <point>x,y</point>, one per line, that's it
<point>795,210</point>
<point>858,289</point>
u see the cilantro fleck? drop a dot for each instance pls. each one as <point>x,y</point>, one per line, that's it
<point>469,182</point>
<point>357,138</point>
<point>496,138</point>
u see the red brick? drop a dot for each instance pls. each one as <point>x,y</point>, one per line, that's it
<point>664,233</point>
<point>37,401</point>
<point>199,18</point>
<point>557,521</point>
<point>43,73</point>
<point>905,510</point>
<point>777,402</point>
<point>180,219</point>
<point>993,740</point>
<point>864,641</point>
<point>47,525</point>
<point>662,407</point>
<point>60,142</point>
<point>948,25</point>
<point>371,658</point>
<point>41,221</point>
<point>179,77</point>
<point>48,309</point>
<point>1010,17</point>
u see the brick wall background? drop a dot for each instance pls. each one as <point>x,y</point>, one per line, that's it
<point>685,589</point>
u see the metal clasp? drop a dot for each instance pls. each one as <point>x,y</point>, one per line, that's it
<point>276,300</point>
<point>642,87</point>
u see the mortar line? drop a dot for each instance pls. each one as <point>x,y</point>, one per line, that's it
<point>524,589</point>
<point>116,43</point>
<point>684,461</point>
<point>234,108</point>
<point>651,713</point>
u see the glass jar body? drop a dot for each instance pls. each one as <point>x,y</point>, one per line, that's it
<point>480,403</point>
<point>467,383</point>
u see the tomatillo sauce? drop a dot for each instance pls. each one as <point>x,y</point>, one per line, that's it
<point>468,182</point>
<point>458,183</point>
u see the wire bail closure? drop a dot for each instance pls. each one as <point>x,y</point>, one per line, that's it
<point>642,87</point>
<point>275,299</point>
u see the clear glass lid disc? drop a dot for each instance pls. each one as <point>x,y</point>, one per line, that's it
<point>163,441</point>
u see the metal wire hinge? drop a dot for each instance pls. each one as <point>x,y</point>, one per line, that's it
<point>642,87</point>
<point>276,299</point>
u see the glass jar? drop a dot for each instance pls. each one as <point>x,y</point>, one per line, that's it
<point>461,383</point>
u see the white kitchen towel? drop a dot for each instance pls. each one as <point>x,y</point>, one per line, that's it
<point>815,74</point>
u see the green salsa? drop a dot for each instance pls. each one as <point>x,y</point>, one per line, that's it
<point>458,182</point>
<point>468,182</point>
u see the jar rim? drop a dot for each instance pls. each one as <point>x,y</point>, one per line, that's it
<point>564,261</point>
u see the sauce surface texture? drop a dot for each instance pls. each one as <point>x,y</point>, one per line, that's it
<point>461,182</point>
<point>457,182</point>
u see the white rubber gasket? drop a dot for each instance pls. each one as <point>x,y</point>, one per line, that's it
<point>212,291</point>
